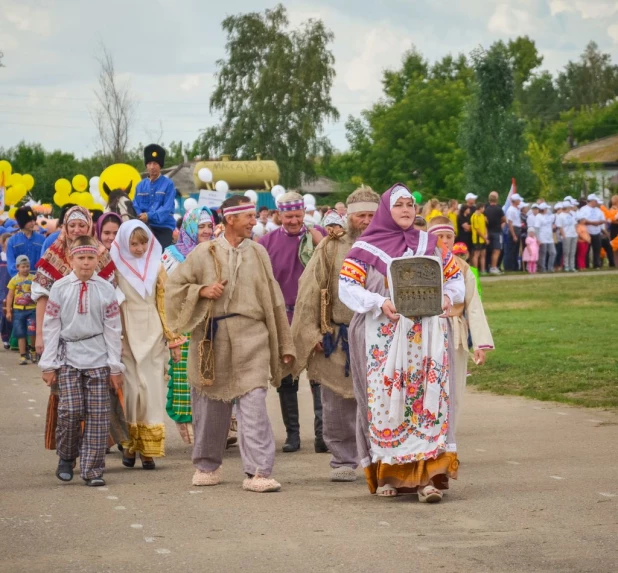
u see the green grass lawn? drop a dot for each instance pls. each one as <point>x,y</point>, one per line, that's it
<point>555,339</point>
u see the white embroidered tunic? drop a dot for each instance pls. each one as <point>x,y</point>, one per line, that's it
<point>82,326</point>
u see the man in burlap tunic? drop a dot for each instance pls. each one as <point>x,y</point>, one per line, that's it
<point>225,294</point>
<point>320,331</point>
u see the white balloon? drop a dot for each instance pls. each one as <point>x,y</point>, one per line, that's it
<point>177,216</point>
<point>190,203</point>
<point>222,186</point>
<point>309,200</point>
<point>277,191</point>
<point>317,217</point>
<point>252,195</point>
<point>205,175</point>
<point>94,182</point>
<point>176,204</point>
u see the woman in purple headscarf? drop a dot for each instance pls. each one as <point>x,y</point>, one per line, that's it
<point>197,227</point>
<point>400,366</point>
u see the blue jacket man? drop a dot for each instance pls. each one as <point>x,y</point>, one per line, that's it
<point>154,197</point>
<point>26,242</point>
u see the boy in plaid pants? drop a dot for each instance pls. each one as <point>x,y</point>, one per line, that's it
<point>82,339</point>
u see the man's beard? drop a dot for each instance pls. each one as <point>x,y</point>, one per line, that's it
<point>354,232</point>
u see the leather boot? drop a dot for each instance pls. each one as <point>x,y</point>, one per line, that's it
<point>289,410</point>
<point>319,444</point>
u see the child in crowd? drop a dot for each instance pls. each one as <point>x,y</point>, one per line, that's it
<point>21,309</point>
<point>468,316</point>
<point>82,337</point>
<point>460,250</point>
<point>478,224</point>
<point>333,221</point>
<point>6,327</point>
<point>146,341</point>
<point>531,252</point>
<point>420,224</point>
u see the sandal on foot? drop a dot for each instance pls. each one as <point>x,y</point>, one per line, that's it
<point>206,478</point>
<point>95,482</point>
<point>260,484</point>
<point>343,473</point>
<point>128,461</point>
<point>64,472</point>
<point>147,464</point>
<point>429,494</point>
<point>386,490</point>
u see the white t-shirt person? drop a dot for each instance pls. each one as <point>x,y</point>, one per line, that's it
<point>546,228</point>
<point>566,222</point>
<point>513,215</point>
<point>592,214</point>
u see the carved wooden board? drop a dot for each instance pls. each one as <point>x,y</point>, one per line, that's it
<point>416,286</point>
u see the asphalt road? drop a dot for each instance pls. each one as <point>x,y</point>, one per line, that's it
<point>538,491</point>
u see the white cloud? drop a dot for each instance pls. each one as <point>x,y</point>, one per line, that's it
<point>380,48</point>
<point>510,21</point>
<point>191,82</point>
<point>587,9</point>
<point>50,74</point>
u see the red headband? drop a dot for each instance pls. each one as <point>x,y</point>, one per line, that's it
<point>84,250</point>
<point>441,229</point>
<point>238,209</point>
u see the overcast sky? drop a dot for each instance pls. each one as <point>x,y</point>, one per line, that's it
<point>167,50</point>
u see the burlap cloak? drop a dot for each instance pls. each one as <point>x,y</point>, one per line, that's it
<point>322,271</point>
<point>249,347</point>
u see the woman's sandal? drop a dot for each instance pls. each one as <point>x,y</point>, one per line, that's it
<point>64,472</point>
<point>429,494</point>
<point>128,461</point>
<point>147,464</point>
<point>386,491</point>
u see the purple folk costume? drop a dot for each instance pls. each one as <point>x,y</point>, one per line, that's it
<point>405,424</point>
<point>289,255</point>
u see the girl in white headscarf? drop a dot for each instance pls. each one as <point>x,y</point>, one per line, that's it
<point>146,342</point>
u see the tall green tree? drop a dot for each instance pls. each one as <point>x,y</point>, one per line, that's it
<point>411,135</point>
<point>540,99</point>
<point>273,92</point>
<point>524,58</point>
<point>591,81</point>
<point>492,135</point>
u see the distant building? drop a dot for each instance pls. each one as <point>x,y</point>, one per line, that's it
<point>599,160</point>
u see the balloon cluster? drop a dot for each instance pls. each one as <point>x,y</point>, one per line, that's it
<point>16,185</point>
<point>76,192</point>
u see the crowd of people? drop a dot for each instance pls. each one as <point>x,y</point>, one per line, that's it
<point>135,321</point>
<point>572,235</point>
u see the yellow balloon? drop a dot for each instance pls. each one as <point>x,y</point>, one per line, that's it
<point>80,183</point>
<point>99,207</point>
<point>5,167</point>
<point>61,198</point>
<point>14,194</point>
<point>10,197</point>
<point>15,179</point>
<point>82,199</point>
<point>28,181</point>
<point>12,212</point>
<point>63,186</point>
<point>119,176</point>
